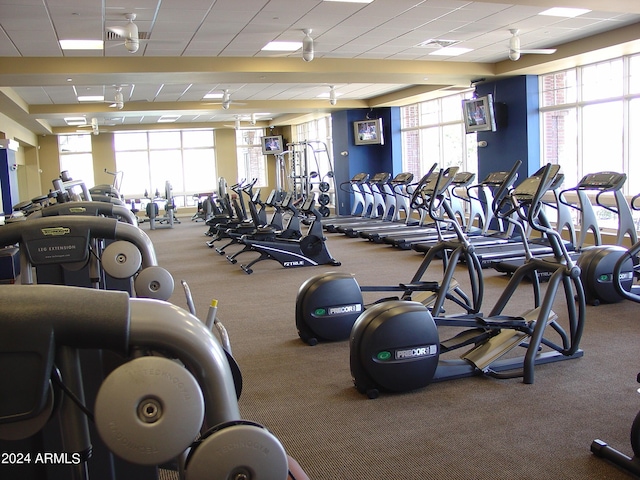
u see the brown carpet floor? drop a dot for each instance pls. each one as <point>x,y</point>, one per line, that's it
<point>473,428</point>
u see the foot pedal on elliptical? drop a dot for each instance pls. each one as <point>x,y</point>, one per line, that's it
<point>427,298</point>
<point>495,347</point>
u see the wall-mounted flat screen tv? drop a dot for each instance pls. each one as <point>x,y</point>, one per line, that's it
<point>479,115</point>
<point>272,144</point>
<point>368,132</point>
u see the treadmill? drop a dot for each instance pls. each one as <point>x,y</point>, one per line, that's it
<point>493,188</point>
<point>396,199</point>
<point>424,186</point>
<point>457,207</point>
<point>601,182</point>
<point>489,255</point>
<point>374,204</point>
<point>359,201</point>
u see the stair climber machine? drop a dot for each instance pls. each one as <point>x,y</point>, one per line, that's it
<point>328,305</point>
<point>168,219</point>
<point>396,346</point>
<point>597,262</point>
<point>630,292</point>
<point>309,250</point>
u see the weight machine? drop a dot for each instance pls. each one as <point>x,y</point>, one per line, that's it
<point>295,170</point>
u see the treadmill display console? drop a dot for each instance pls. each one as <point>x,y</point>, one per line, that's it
<point>603,181</point>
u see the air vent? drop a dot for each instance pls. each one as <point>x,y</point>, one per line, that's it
<point>437,43</point>
<point>109,35</point>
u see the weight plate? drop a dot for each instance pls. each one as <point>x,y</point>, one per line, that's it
<point>324,199</point>
<point>121,259</point>
<point>238,450</point>
<point>149,410</point>
<point>154,282</point>
<point>324,186</point>
<point>324,211</point>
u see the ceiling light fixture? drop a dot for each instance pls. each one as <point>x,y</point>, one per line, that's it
<point>91,98</point>
<point>350,1</point>
<point>565,12</point>
<point>307,45</point>
<point>81,44</point>
<point>451,51</point>
<point>282,46</point>
<point>168,118</point>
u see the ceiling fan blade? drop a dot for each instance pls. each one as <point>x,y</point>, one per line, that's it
<point>538,51</point>
<point>121,31</point>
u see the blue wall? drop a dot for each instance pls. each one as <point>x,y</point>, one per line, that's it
<point>350,159</point>
<point>8,180</point>
<point>517,136</point>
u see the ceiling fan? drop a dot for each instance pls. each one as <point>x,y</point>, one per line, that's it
<point>225,101</point>
<point>118,99</point>
<point>94,126</point>
<point>515,51</point>
<point>250,119</point>
<point>129,32</point>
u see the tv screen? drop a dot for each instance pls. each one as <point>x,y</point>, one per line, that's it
<point>479,115</point>
<point>368,132</point>
<point>272,144</point>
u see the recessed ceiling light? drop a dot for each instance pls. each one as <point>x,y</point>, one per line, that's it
<point>328,94</point>
<point>75,121</point>
<point>565,12</point>
<point>451,51</point>
<point>91,98</point>
<point>168,118</point>
<point>213,95</point>
<point>282,46</point>
<point>81,44</point>
<point>350,1</point>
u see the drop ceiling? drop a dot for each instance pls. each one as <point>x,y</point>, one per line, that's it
<point>189,48</point>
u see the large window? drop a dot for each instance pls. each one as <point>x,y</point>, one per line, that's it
<point>433,132</point>
<point>589,117</point>
<point>76,157</point>
<point>185,159</point>
<point>251,160</point>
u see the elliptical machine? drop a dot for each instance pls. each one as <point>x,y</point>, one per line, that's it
<point>599,447</point>
<point>396,345</point>
<point>597,262</point>
<point>327,305</point>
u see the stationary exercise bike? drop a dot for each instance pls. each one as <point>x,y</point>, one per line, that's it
<point>309,250</point>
